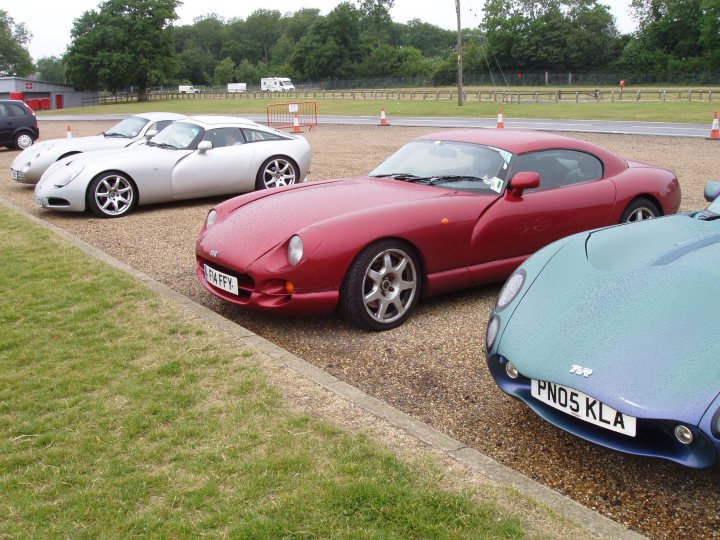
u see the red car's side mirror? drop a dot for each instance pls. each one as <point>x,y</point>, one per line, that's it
<point>522,181</point>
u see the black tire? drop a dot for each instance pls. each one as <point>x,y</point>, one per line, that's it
<point>640,209</point>
<point>382,286</point>
<point>277,171</point>
<point>23,140</point>
<point>111,194</point>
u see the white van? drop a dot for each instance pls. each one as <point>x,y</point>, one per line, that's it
<point>276,84</point>
<point>237,87</point>
<point>187,89</point>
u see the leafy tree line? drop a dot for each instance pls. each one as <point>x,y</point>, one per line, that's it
<point>135,42</point>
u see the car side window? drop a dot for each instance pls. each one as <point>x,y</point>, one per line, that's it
<point>4,113</point>
<point>159,126</point>
<point>224,137</point>
<point>15,110</point>
<point>255,135</point>
<point>558,168</point>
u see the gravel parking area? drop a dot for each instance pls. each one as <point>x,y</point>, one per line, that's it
<point>433,366</point>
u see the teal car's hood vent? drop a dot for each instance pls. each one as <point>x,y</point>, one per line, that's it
<point>668,240</point>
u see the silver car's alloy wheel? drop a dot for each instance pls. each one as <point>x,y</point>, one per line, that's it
<point>23,141</point>
<point>111,195</point>
<point>389,286</point>
<point>640,214</point>
<point>277,172</point>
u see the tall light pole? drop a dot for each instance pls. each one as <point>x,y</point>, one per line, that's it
<point>461,98</point>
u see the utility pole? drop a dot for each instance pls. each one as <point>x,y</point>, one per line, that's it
<point>461,98</point>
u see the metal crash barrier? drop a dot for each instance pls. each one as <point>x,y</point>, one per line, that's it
<point>294,116</point>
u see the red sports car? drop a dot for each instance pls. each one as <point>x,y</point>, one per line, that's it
<point>447,211</point>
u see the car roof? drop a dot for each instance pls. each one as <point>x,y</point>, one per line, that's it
<point>153,116</point>
<point>212,119</point>
<point>517,141</point>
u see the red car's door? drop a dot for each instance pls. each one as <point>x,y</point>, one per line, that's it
<point>572,197</point>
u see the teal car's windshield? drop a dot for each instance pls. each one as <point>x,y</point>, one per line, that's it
<point>448,164</point>
<point>177,136</point>
<point>128,128</point>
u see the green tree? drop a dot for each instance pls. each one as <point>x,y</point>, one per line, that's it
<point>224,72</point>
<point>51,68</point>
<point>15,60</point>
<point>126,42</point>
<point>332,47</point>
<point>375,18</point>
<point>264,27</point>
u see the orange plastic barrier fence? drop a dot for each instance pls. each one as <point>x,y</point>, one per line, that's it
<point>293,116</point>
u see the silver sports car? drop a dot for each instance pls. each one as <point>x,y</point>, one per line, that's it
<point>28,165</point>
<point>201,156</point>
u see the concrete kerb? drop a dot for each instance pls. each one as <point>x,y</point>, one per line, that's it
<point>594,522</point>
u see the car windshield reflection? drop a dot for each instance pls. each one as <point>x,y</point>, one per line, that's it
<point>128,128</point>
<point>448,164</point>
<point>178,135</point>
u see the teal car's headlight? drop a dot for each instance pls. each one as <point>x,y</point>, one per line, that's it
<point>492,331</point>
<point>510,290</point>
<point>295,250</point>
<point>69,176</point>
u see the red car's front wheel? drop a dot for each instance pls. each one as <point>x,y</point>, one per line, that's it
<point>382,286</point>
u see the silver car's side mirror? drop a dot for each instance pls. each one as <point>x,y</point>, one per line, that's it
<point>712,190</point>
<point>151,133</point>
<point>204,146</point>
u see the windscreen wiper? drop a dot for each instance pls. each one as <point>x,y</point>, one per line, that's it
<point>406,177</point>
<point>454,178</point>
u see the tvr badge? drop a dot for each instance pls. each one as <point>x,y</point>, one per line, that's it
<point>213,253</point>
<point>580,370</point>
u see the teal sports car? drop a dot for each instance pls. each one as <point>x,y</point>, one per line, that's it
<point>611,335</point>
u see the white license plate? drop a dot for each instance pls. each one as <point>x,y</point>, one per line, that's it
<point>583,407</point>
<point>221,281</point>
<point>38,201</point>
<point>15,175</point>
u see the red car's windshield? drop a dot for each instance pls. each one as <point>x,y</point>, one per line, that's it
<point>449,164</point>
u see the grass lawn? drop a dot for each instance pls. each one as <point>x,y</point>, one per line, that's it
<point>675,110</point>
<point>121,417</point>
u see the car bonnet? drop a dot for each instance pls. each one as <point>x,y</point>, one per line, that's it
<point>255,227</point>
<point>635,305</point>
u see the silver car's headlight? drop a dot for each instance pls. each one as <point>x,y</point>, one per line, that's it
<point>295,250</point>
<point>511,289</point>
<point>210,219</point>
<point>69,176</point>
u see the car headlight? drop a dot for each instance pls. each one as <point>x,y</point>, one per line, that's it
<point>295,250</point>
<point>511,289</point>
<point>492,331</point>
<point>210,219</point>
<point>70,175</point>
<point>26,167</point>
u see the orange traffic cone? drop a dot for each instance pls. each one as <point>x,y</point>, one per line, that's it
<point>296,124</point>
<point>500,123</point>
<point>714,131</point>
<point>383,120</point>
<point>69,133</point>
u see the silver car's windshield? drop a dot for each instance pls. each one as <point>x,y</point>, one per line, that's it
<point>448,164</point>
<point>128,128</point>
<point>178,135</point>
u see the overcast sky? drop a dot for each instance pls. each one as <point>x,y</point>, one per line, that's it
<point>51,27</point>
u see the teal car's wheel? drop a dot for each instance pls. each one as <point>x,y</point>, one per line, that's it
<point>111,195</point>
<point>382,286</point>
<point>639,209</point>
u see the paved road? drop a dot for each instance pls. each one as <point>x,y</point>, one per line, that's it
<point>586,126</point>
